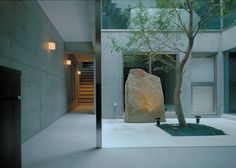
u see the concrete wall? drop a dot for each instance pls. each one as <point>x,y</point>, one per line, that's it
<point>112,71</point>
<point>220,77</point>
<point>112,80</point>
<point>207,42</point>
<point>228,38</point>
<point>24,28</point>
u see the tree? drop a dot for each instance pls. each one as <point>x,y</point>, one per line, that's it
<point>162,28</point>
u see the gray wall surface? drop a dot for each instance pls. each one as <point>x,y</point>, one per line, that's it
<point>24,28</point>
<point>112,80</point>
<point>226,35</point>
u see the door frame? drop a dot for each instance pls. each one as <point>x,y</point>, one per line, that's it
<point>227,81</point>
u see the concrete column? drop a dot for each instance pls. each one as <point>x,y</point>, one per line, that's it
<point>219,83</point>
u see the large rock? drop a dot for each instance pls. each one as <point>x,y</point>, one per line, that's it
<point>144,99</point>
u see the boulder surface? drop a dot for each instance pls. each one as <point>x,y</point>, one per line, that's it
<point>144,99</point>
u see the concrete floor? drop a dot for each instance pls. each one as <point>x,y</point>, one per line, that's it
<point>70,143</point>
<point>117,133</point>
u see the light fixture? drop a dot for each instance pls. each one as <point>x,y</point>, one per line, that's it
<point>197,119</point>
<point>158,120</point>
<point>79,72</point>
<point>68,62</point>
<point>51,46</point>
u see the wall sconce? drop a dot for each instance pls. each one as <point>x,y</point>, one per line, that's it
<point>79,72</point>
<point>51,46</point>
<point>68,62</point>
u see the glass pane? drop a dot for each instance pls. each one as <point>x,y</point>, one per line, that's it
<point>202,100</point>
<point>132,62</point>
<point>168,81</point>
<point>213,22</point>
<point>232,67</point>
<point>202,69</point>
<point>232,98</point>
<point>116,13</point>
<point>230,14</point>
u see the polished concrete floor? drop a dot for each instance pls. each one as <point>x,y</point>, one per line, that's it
<point>70,143</point>
<point>117,133</point>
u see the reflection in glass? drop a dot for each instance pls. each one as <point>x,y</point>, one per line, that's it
<point>116,13</point>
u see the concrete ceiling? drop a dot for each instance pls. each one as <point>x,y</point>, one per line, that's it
<point>71,18</point>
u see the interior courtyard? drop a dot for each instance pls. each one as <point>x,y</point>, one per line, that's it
<point>63,88</point>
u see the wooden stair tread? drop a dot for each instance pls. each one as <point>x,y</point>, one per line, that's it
<point>86,87</point>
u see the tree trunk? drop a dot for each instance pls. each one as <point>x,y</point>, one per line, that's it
<point>177,99</point>
<point>179,80</point>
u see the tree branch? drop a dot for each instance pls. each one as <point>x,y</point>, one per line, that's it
<point>179,17</point>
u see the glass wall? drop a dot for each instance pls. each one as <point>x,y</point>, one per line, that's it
<point>230,14</point>
<point>168,81</point>
<point>140,61</point>
<point>116,13</point>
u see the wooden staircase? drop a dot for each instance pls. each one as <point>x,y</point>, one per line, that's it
<point>86,88</point>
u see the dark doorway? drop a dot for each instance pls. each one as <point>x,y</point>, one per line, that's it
<point>10,125</point>
<point>168,81</point>
<point>232,82</point>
